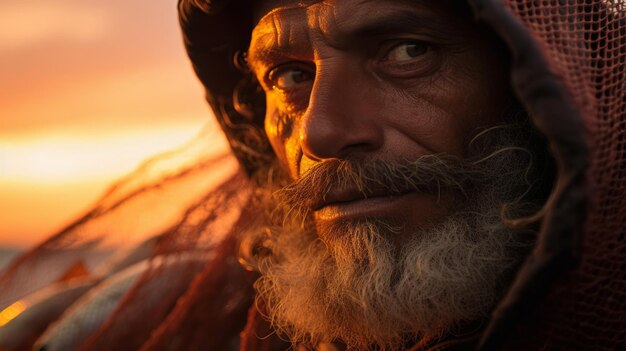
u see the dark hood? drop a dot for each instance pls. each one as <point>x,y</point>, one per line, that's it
<point>568,62</point>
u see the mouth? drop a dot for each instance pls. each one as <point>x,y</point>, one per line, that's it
<point>346,196</point>
<point>350,203</point>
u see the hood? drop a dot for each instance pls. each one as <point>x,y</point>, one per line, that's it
<point>216,34</point>
<point>568,63</point>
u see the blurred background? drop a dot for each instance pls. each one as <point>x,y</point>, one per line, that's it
<point>88,89</point>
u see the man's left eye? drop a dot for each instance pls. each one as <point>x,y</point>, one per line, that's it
<point>406,51</point>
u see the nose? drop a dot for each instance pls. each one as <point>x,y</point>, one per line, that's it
<point>341,117</point>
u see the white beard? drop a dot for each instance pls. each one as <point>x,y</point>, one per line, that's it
<point>365,291</point>
<point>371,291</point>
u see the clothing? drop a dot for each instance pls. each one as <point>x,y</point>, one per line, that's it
<point>568,67</point>
<point>568,63</point>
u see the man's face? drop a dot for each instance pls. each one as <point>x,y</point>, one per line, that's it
<point>373,108</point>
<point>384,80</point>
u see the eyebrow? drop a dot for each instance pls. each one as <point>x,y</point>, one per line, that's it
<point>398,22</point>
<point>386,24</point>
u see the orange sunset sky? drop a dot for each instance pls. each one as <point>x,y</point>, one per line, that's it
<point>88,89</point>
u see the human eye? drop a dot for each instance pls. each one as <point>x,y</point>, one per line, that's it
<point>408,58</point>
<point>406,51</point>
<point>289,77</point>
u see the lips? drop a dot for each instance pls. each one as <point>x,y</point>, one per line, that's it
<point>351,203</point>
<point>341,189</point>
<point>345,196</point>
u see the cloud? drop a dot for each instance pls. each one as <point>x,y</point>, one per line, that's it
<point>26,24</point>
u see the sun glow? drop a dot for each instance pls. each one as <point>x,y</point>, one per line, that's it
<point>48,178</point>
<point>64,157</point>
<point>88,91</point>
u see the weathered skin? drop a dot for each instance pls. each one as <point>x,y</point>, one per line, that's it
<point>427,82</point>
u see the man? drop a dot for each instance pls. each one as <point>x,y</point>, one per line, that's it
<point>425,175</point>
<point>411,184</point>
<point>372,108</point>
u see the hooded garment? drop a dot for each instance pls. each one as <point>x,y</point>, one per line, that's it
<point>568,70</point>
<point>568,61</point>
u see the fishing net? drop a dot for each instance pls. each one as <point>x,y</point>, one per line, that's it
<point>131,211</point>
<point>570,71</point>
<point>568,67</point>
<point>183,202</point>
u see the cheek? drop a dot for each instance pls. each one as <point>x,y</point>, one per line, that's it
<point>484,83</point>
<point>427,118</point>
<point>443,115</point>
<point>279,128</point>
<point>274,129</point>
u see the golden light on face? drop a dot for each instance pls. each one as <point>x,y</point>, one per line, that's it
<point>394,119</point>
<point>374,81</point>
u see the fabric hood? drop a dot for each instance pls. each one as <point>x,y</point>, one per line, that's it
<point>568,66</point>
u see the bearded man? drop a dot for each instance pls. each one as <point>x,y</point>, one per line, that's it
<point>391,118</point>
<point>400,155</point>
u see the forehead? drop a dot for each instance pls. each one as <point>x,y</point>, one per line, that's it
<point>262,8</point>
<point>284,25</point>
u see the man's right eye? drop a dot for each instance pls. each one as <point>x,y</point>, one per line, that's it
<point>290,77</point>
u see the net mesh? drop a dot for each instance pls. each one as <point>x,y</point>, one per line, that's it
<point>202,203</point>
<point>142,205</point>
<point>584,44</point>
<point>187,201</point>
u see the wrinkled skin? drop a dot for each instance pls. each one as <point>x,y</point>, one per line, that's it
<point>379,80</point>
<point>383,85</point>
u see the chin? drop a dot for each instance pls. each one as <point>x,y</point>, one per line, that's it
<point>380,272</point>
<point>368,290</point>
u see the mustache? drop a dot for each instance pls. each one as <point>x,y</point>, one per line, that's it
<point>432,174</point>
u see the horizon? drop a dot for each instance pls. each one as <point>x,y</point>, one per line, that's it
<point>89,92</point>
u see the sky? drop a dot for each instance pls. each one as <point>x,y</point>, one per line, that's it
<point>88,89</point>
